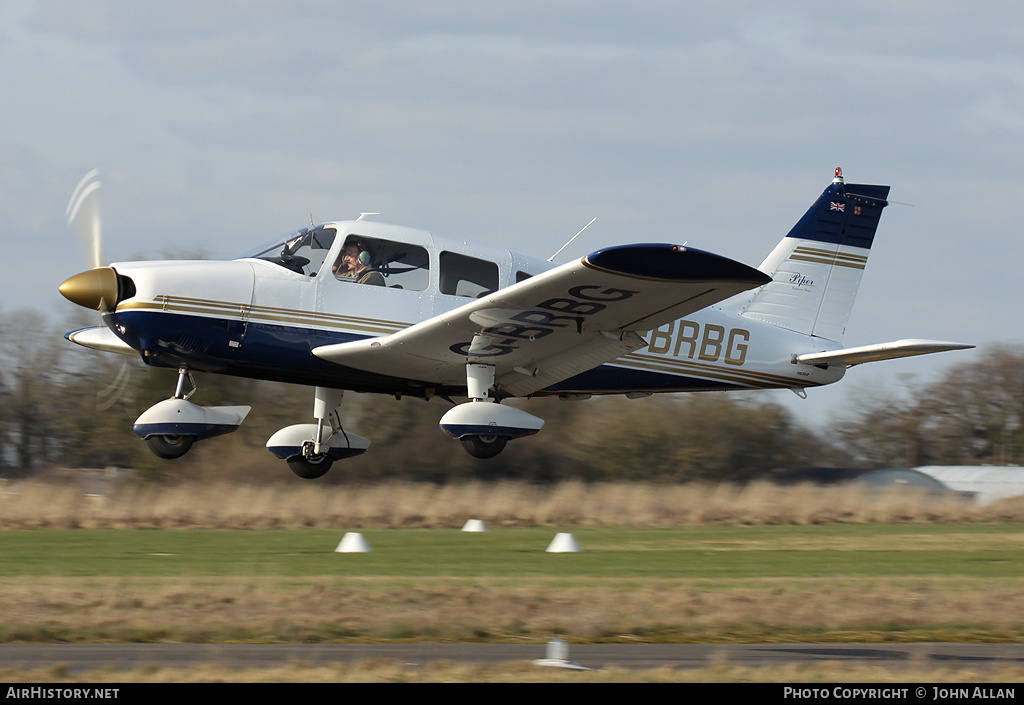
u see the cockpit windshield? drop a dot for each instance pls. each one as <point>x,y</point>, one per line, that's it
<point>302,251</point>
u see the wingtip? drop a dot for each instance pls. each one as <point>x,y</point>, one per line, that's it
<point>673,263</point>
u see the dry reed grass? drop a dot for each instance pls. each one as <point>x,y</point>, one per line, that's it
<point>31,505</point>
<point>331,609</point>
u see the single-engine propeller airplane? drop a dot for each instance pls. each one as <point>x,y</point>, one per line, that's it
<point>363,306</point>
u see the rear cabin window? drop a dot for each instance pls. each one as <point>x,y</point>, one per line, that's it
<point>467,276</point>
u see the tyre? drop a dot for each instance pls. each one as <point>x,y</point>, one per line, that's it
<point>484,446</point>
<point>170,447</point>
<point>310,469</point>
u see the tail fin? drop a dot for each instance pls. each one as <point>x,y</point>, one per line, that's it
<point>817,267</point>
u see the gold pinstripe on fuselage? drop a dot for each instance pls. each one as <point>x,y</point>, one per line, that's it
<point>312,319</point>
<point>263,314</point>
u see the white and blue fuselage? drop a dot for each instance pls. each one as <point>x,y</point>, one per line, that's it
<point>256,318</point>
<point>371,307</point>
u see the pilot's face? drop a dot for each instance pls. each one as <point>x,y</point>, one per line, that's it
<point>352,257</point>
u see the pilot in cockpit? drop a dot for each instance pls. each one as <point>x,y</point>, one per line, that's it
<point>354,264</point>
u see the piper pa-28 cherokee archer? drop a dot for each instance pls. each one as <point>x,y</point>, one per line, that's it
<point>368,307</point>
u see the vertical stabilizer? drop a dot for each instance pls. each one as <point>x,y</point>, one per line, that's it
<point>817,267</point>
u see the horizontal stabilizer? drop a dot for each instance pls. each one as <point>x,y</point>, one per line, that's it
<point>879,351</point>
<point>100,338</point>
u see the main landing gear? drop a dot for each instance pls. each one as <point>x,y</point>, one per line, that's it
<point>172,426</point>
<point>483,426</point>
<point>170,446</point>
<point>311,448</point>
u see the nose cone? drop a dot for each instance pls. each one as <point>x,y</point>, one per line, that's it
<point>95,288</point>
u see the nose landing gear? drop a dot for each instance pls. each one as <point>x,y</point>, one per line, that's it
<point>311,448</point>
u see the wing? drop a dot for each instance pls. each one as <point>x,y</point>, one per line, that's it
<point>879,351</point>
<point>556,324</point>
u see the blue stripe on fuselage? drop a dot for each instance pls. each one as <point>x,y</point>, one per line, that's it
<point>258,350</point>
<point>613,379</point>
<point>283,354</point>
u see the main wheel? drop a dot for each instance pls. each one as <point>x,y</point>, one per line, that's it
<point>170,447</point>
<point>484,446</point>
<point>310,469</point>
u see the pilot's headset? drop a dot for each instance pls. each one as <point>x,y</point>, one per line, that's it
<point>364,254</point>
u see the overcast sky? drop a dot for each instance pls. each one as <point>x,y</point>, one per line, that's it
<point>218,125</point>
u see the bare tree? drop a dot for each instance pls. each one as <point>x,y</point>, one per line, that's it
<point>971,415</point>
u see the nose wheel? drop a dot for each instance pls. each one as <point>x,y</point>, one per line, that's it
<point>311,449</point>
<point>314,461</point>
<point>310,467</point>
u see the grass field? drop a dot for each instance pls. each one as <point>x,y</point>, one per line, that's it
<point>838,552</point>
<point>832,582</point>
<point>921,578</point>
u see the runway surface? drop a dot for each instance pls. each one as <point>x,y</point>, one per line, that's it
<point>87,657</point>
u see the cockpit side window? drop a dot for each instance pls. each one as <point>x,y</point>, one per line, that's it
<point>397,265</point>
<point>303,251</point>
<point>467,276</point>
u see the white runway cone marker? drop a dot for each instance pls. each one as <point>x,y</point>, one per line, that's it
<point>353,543</point>
<point>564,543</point>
